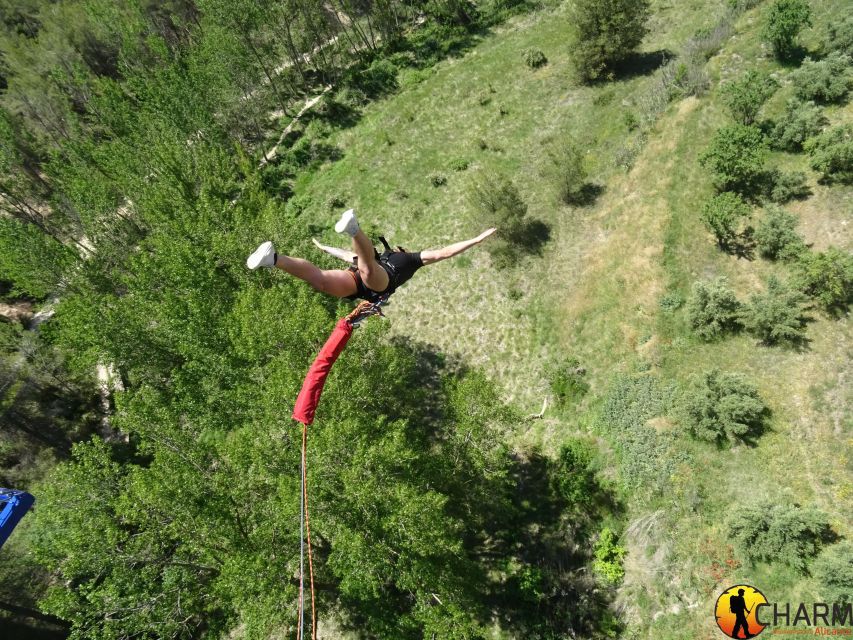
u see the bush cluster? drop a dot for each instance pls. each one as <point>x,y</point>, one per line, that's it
<point>648,457</point>
<point>784,186</point>
<point>719,407</point>
<point>827,81</point>
<point>833,571</point>
<point>777,315</point>
<point>800,121</point>
<point>713,309</point>
<point>779,532</point>
<point>827,276</point>
<point>831,154</point>
<point>776,236</point>
<point>841,36</point>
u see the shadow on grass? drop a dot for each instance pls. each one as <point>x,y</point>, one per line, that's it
<point>641,64</point>
<point>527,524</point>
<point>586,196</point>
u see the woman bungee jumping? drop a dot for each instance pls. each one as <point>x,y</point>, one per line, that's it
<point>371,276</point>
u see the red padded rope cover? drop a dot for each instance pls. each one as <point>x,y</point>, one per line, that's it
<point>312,387</point>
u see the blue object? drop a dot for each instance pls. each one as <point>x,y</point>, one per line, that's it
<point>13,505</point>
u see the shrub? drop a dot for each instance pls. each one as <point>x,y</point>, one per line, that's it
<point>351,97</point>
<point>499,203</point>
<point>606,32</point>
<point>609,556</point>
<point>671,301</point>
<point>723,215</point>
<point>379,78</point>
<point>719,406</point>
<point>534,58</point>
<point>841,36</point>
<point>437,179</point>
<point>777,315</point>
<point>648,457</point>
<point>828,80</point>
<point>297,204</point>
<point>713,309</point>
<point>784,21</point>
<point>745,96</point>
<point>831,153</point>
<point>776,235</point>
<point>779,532</point>
<point>833,571</point>
<point>801,121</point>
<point>573,478</point>
<point>736,157</point>
<point>568,173</point>
<point>335,202</point>
<point>458,164</point>
<point>828,277</point>
<point>567,382</point>
<point>785,186</point>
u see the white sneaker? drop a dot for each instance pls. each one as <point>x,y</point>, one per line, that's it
<point>262,257</point>
<point>347,224</point>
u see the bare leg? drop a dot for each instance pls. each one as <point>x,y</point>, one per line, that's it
<point>337,283</point>
<point>431,256</point>
<point>372,274</point>
<point>342,254</point>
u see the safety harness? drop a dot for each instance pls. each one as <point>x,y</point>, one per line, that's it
<point>369,294</point>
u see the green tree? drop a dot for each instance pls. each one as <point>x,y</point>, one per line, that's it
<point>36,263</point>
<point>713,309</point>
<point>745,96</point>
<point>776,235</point>
<point>777,315</point>
<point>785,20</point>
<point>779,532</point>
<point>720,407</point>
<point>606,33</point>
<point>724,216</point>
<point>827,276</point>
<point>736,157</point>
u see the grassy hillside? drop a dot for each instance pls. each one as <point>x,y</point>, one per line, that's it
<point>594,293</point>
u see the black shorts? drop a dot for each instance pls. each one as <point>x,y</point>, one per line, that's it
<point>400,267</point>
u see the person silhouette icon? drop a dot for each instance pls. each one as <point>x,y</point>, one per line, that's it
<point>737,605</point>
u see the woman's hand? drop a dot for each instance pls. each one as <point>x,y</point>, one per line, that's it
<point>486,234</point>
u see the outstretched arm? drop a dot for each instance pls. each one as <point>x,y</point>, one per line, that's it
<point>342,254</point>
<point>437,255</point>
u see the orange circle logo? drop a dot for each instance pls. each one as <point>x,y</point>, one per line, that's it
<point>736,611</point>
